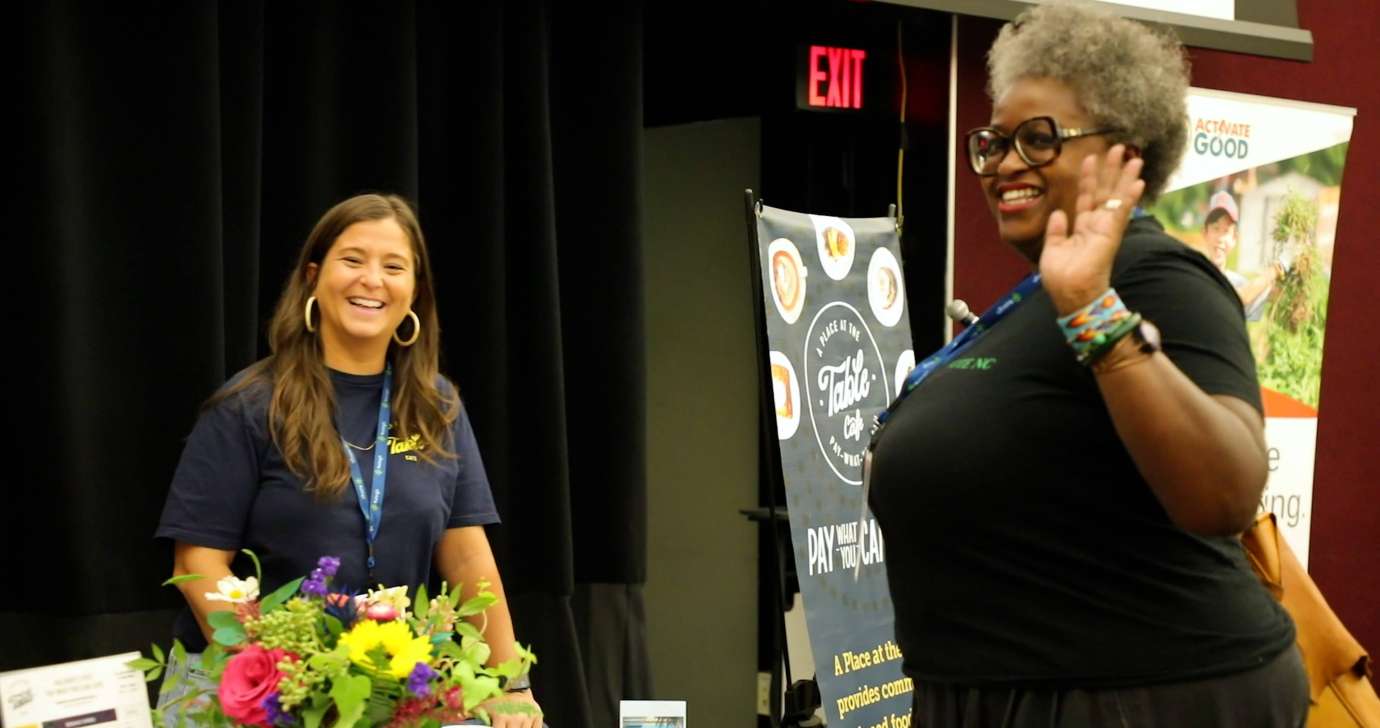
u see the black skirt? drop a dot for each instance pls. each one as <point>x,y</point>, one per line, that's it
<point>1274,695</point>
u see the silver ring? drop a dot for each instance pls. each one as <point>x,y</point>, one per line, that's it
<point>1112,203</point>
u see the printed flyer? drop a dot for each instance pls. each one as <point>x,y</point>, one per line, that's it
<point>1258,193</point>
<point>840,344</point>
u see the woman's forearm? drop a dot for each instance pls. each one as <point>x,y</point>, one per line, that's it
<point>213,564</point>
<point>464,557</point>
<point>1203,456</point>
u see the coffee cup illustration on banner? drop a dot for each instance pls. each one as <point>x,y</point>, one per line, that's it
<point>904,364</point>
<point>788,274</point>
<point>836,244</point>
<point>886,287</point>
<point>786,394</point>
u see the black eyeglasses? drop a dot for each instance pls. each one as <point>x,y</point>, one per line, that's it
<point>1038,142</point>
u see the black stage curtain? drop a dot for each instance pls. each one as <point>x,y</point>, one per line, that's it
<point>171,158</point>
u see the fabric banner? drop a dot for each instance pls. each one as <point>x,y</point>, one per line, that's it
<point>840,344</point>
<point>1258,193</point>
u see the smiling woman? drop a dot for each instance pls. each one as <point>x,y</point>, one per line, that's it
<point>1088,574</point>
<point>274,462</point>
<point>364,288</point>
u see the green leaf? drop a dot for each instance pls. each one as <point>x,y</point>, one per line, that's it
<point>311,716</point>
<point>349,693</point>
<point>229,637</point>
<point>213,661</point>
<point>379,657</point>
<point>479,690</point>
<point>334,627</point>
<point>279,595</point>
<point>477,604</point>
<point>440,637</point>
<point>179,652</point>
<point>153,674</point>
<point>475,651</point>
<point>223,619</point>
<point>515,707</point>
<point>383,700</point>
<point>449,649</point>
<point>158,653</point>
<point>182,579</point>
<point>465,629</point>
<point>258,570</point>
<point>172,680</point>
<point>420,604</point>
<point>143,664</point>
<point>510,668</point>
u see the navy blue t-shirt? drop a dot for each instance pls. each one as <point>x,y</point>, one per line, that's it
<point>232,490</point>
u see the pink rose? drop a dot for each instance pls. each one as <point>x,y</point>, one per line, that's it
<point>381,612</point>
<point>249,677</point>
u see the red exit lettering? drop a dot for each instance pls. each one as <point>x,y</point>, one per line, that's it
<point>836,79</point>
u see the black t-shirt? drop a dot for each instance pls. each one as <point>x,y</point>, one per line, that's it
<point>232,490</point>
<point>1022,543</point>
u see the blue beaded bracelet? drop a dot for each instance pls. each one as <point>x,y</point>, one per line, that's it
<point>1095,327</point>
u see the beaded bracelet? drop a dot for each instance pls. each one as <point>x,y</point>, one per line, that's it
<point>1092,329</point>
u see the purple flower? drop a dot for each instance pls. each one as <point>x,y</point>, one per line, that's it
<point>327,565</point>
<point>314,586</point>
<point>418,681</point>
<point>276,716</point>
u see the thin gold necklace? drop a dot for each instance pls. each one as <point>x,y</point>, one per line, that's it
<point>362,449</point>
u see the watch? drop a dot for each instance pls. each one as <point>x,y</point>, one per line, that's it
<point>1147,337</point>
<point>518,684</point>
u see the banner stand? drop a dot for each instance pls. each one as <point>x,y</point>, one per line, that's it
<point>769,472</point>
<point>832,342</point>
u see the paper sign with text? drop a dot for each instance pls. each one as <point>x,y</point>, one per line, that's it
<point>101,692</point>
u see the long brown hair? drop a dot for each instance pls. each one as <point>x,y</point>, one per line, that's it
<point>301,411</point>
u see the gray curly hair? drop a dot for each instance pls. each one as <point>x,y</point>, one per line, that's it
<point>1126,75</point>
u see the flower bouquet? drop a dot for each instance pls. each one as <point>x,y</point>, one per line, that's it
<point>307,655</point>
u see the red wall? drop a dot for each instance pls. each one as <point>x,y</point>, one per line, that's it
<point>1344,554</point>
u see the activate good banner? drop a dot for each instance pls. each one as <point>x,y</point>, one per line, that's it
<point>1257,193</point>
<point>839,343</point>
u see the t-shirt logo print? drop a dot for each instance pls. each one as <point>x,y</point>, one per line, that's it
<point>399,445</point>
<point>842,367</point>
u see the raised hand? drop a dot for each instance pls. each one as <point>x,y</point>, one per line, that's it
<point>1076,262</point>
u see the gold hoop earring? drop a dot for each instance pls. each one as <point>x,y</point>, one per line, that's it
<point>306,314</point>
<point>416,330</point>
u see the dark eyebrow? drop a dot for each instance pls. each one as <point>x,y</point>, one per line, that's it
<point>355,249</point>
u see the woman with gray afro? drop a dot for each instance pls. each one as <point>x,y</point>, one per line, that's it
<point>1062,523</point>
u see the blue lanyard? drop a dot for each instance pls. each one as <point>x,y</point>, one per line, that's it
<point>371,504</point>
<point>998,311</point>
<point>989,318</point>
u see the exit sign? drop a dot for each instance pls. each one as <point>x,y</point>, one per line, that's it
<point>831,78</point>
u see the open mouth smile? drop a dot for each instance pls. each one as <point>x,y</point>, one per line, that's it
<point>1015,198</point>
<point>368,304</point>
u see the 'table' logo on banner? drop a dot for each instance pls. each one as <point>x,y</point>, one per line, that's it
<point>842,367</point>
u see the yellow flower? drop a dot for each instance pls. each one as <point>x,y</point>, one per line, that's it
<point>404,649</point>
